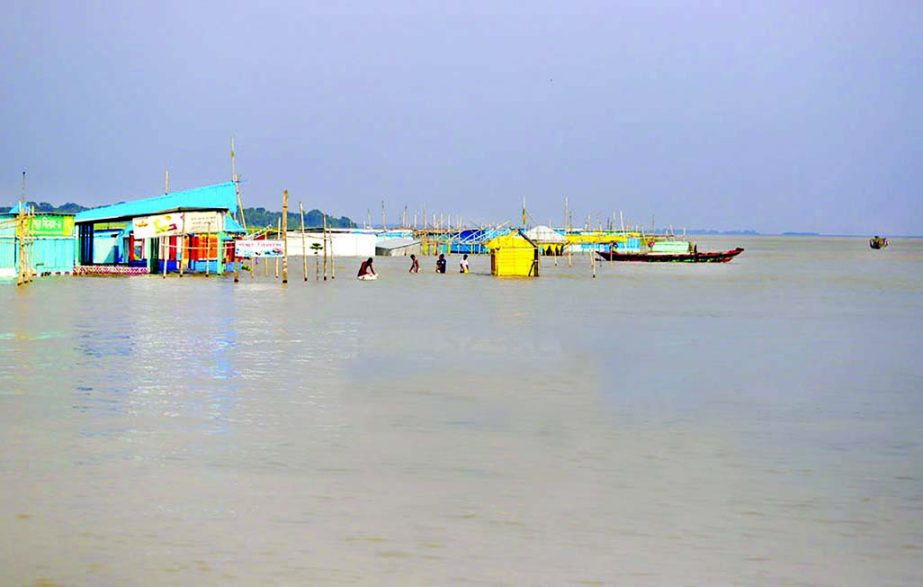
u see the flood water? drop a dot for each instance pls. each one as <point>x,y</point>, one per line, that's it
<point>751,423</point>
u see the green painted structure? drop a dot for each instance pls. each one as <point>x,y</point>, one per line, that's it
<point>51,244</point>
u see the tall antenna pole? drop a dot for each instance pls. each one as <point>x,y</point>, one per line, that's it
<point>166,181</point>
<point>236,180</point>
<point>565,213</point>
<point>383,215</point>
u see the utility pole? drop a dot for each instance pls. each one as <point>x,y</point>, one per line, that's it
<point>236,180</point>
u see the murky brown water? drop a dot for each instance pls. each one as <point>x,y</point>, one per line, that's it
<point>751,423</point>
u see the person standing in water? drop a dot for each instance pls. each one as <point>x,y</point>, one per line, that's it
<point>463,265</point>
<point>440,263</point>
<point>414,264</point>
<point>366,269</point>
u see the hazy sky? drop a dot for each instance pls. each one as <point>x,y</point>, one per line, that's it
<point>801,116</point>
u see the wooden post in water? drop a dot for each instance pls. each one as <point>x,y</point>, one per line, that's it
<point>236,264</point>
<point>593,262</point>
<point>182,251</point>
<point>333,271</point>
<point>304,250</point>
<point>324,234</point>
<point>284,236</point>
<point>208,250</point>
<point>278,231</point>
<point>21,233</point>
<point>316,247</point>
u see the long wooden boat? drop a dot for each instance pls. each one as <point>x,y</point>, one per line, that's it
<point>694,257</point>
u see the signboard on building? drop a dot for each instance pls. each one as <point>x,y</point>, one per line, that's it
<point>250,249</point>
<point>178,223</point>
<point>47,225</point>
<point>159,225</point>
<point>203,222</point>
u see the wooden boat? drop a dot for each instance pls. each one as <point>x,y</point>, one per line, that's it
<point>692,257</point>
<point>878,242</point>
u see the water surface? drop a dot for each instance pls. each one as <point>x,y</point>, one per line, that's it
<point>740,424</point>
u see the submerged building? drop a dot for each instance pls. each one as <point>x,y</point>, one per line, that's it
<point>513,255</point>
<point>46,240</point>
<point>188,231</point>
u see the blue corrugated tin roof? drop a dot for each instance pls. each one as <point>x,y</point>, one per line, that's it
<point>231,225</point>
<point>222,196</point>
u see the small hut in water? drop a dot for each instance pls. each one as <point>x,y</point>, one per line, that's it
<point>513,255</point>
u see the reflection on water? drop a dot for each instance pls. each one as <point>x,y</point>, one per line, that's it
<point>756,422</point>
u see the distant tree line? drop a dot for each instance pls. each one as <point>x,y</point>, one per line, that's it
<point>256,217</point>
<point>46,208</point>
<point>313,219</point>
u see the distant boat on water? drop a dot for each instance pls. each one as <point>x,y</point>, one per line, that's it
<point>671,252</point>
<point>878,242</point>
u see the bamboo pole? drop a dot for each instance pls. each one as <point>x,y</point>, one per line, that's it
<point>236,264</point>
<point>278,231</point>
<point>304,249</point>
<point>284,222</point>
<point>324,236</point>
<point>182,252</point>
<point>593,262</point>
<point>208,250</point>
<point>333,268</point>
<point>236,180</point>
<point>21,233</point>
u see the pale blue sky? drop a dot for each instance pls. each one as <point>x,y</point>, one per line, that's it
<point>801,116</point>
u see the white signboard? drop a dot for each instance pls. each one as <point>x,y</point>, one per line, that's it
<point>249,249</point>
<point>178,223</point>
<point>202,222</point>
<point>159,225</point>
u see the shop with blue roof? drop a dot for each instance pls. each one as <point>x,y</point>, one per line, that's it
<point>184,231</point>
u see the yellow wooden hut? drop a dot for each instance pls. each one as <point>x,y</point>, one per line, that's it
<point>513,255</point>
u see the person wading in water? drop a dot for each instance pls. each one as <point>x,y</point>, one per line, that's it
<point>366,271</point>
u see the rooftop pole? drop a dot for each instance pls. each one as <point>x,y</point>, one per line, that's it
<point>236,180</point>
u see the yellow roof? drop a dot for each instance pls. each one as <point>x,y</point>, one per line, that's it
<point>511,240</point>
